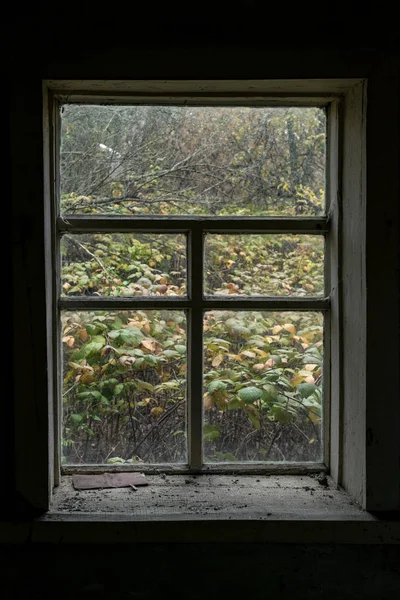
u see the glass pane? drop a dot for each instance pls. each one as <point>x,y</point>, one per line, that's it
<point>262,386</point>
<point>124,387</point>
<point>104,264</point>
<point>269,265</point>
<point>208,160</point>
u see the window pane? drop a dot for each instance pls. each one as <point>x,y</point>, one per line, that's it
<point>193,160</point>
<point>262,386</point>
<point>270,265</point>
<point>124,387</point>
<point>123,265</point>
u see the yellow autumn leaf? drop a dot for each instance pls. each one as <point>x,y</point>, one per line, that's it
<point>87,378</point>
<point>69,340</point>
<point>149,344</point>
<point>314,418</point>
<point>83,335</point>
<point>217,360</point>
<point>248,353</point>
<point>156,411</point>
<point>307,336</point>
<point>219,399</point>
<point>297,379</point>
<point>235,356</point>
<point>290,328</point>
<point>276,329</point>
<point>144,402</point>
<point>207,402</point>
<point>233,288</point>
<point>262,353</point>
<point>134,323</point>
<point>270,363</point>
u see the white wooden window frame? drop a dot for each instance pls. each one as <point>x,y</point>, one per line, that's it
<point>363,448</point>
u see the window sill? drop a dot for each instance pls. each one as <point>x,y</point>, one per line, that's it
<point>208,508</point>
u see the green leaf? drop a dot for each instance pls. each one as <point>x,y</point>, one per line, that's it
<point>143,385</point>
<point>180,349</point>
<point>118,389</point>
<point>234,404</point>
<point>254,419</point>
<point>210,432</point>
<point>250,394</point>
<point>306,389</point>
<point>220,341</point>
<point>167,385</point>
<point>117,324</point>
<point>98,339</point>
<point>171,353</point>
<point>76,419</point>
<point>241,331</point>
<point>128,335</point>
<point>90,348</point>
<point>226,456</point>
<point>312,356</point>
<point>270,392</point>
<point>150,359</point>
<point>272,375</point>
<point>216,386</point>
<point>280,414</point>
<point>178,432</point>
<point>93,328</point>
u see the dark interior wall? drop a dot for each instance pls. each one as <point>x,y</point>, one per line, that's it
<point>203,571</point>
<point>191,40</point>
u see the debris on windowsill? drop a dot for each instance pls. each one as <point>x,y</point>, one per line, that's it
<point>191,480</point>
<point>322,479</point>
<point>109,480</point>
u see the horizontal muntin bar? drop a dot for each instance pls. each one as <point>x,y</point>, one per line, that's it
<point>178,224</point>
<point>182,303</point>
<point>217,99</point>
<point>123,303</point>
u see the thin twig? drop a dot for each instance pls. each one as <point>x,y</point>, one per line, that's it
<point>157,424</point>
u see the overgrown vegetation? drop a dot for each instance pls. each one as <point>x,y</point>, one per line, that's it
<point>124,388</point>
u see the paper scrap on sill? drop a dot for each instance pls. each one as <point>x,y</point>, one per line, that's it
<point>108,480</point>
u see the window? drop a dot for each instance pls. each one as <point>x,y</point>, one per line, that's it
<point>361,440</point>
<point>193,288</point>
